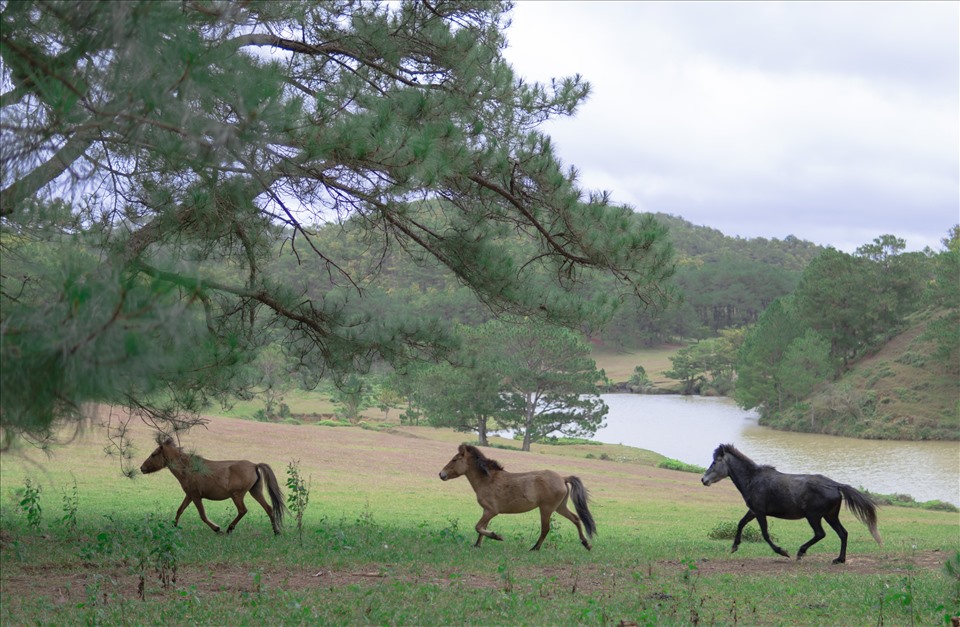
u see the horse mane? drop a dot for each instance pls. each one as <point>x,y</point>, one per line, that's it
<point>191,461</point>
<point>730,449</point>
<point>483,463</point>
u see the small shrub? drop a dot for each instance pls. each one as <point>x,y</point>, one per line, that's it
<point>905,500</point>
<point>727,530</point>
<point>450,533</point>
<point>564,441</point>
<point>673,464</point>
<point>298,495</point>
<point>28,501</point>
<point>71,503</point>
<point>157,546</point>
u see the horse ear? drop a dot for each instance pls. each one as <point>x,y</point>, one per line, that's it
<point>168,441</point>
<point>463,449</point>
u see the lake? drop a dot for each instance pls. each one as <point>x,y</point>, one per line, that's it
<point>689,428</point>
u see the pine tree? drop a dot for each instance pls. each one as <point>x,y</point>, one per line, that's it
<point>155,153</point>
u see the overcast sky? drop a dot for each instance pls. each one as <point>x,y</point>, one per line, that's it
<point>833,122</point>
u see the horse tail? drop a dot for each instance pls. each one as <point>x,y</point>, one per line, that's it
<point>863,507</point>
<point>580,496</point>
<point>276,498</point>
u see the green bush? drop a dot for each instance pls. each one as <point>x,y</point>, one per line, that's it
<point>673,464</point>
<point>727,530</point>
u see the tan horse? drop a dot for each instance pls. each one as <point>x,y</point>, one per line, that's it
<point>502,492</point>
<point>218,481</point>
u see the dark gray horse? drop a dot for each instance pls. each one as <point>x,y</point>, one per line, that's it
<point>768,492</point>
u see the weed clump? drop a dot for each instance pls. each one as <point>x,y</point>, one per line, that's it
<point>726,530</point>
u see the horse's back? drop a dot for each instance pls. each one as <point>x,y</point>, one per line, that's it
<point>792,496</point>
<point>518,492</point>
<point>221,479</point>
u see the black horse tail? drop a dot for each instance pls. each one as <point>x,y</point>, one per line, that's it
<point>580,496</point>
<point>863,507</point>
<point>276,498</point>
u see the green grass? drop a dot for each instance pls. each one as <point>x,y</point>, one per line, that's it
<point>385,542</point>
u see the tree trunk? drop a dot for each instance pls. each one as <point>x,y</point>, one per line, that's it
<point>529,413</point>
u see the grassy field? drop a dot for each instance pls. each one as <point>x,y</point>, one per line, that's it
<point>384,541</point>
<point>619,365</point>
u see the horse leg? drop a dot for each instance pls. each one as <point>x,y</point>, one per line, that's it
<point>241,511</point>
<point>743,523</point>
<point>566,513</point>
<point>833,519</point>
<point>482,527</point>
<point>203,515</point>
<point>545,514</point>
<point>257,492</point>
<point>818,535</point>
<point>183,506</point>
<point>762,521</point>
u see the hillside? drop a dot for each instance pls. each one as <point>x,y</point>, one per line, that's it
<point>698,245</point>
<point>899,392</point>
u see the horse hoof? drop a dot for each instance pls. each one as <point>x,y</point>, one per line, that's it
<point>839,560</point>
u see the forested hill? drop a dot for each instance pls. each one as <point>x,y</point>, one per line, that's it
<point>721,282</point>
<point>702,244</point>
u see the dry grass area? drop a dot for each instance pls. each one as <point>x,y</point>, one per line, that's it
<point>913,396</point>
<point>619,365</point>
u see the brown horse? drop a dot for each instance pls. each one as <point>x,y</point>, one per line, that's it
<point>218,481</point>
<point>502,492</point>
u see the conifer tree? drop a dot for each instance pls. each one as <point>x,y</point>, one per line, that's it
<point>154,153</point>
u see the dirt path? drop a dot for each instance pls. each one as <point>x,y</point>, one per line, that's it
<point>62,586</point>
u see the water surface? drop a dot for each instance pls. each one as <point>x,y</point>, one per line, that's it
<point>689,428</point>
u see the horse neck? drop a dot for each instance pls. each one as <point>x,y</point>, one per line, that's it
<point>477,479</point>
<point>741,471</point>
<point>178,462</point>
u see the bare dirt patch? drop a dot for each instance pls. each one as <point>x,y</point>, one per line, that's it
<point>61,586</point>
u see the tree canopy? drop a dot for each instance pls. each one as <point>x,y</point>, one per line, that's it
<point>153,153</point>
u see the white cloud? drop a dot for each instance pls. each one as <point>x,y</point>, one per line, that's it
<point>828,121</point>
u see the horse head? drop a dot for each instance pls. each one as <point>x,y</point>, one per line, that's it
<point>158,458</point>
<point>469,456</point>
<point>718,469</point>
<point>456,466</point>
